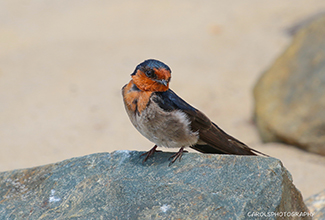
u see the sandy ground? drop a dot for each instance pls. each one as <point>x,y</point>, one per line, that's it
<point>63,63</point>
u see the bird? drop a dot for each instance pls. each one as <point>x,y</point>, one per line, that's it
<point>165,119</point>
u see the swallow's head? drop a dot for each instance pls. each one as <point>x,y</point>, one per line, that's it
<point>152,75</point>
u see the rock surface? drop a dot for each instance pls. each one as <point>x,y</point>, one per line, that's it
<point>316,205</point>
<point>290,96</point>
<point>120,186</point>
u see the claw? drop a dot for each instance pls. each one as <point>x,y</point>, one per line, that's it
<point>179,155</point>
<point>150,153</point>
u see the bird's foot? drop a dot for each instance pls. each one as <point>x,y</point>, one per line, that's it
<point>150,153</point>
<point>179,155</point>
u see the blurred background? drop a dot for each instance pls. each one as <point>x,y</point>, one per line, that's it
<point>63,64</point>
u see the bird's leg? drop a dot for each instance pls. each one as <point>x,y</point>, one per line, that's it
<point>179,155</point>
<point>150,152</point>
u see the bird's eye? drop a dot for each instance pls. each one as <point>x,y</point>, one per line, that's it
<point>150,73</point>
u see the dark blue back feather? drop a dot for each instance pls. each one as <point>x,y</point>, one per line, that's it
<point>169,101</point>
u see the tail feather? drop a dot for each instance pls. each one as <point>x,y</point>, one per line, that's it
<point>216,141</point>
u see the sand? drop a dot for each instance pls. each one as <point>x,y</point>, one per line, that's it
<point>63,63</point>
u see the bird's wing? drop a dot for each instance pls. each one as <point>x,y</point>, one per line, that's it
<point>212,139</point>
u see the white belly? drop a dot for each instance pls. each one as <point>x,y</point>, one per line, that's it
<point>165,129</point>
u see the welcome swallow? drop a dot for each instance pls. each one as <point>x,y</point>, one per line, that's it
<point>168,121</point>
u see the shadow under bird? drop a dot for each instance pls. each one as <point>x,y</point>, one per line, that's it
<point>168,121</point>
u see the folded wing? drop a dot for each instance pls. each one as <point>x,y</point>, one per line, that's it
<point>212,139</point>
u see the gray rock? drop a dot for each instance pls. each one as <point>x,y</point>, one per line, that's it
<point>290,96</point>
<point>316,205</point>
<point>120,186</point>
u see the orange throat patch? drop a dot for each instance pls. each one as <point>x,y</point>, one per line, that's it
<point>146,84</point>
<point>135,100</point>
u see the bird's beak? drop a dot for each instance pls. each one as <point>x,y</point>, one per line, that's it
<point>162,81</point>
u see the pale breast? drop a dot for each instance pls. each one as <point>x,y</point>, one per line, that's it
<point>167,129</point>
